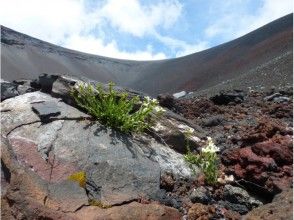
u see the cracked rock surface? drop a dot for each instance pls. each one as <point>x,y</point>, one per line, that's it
<point>45,141</point>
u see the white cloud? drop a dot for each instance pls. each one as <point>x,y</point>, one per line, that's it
<point>68,23</point>
<point>71,24</point>
<point>271,10</point>
<point>234,21</point>
<point>49,20</point>
<point>134,18</point>
<point>192,48</point>
<point>92,45</point>
<point>180,47</point>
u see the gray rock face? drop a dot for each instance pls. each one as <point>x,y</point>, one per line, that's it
<point>200,195</point>
<point>45,110</point>
<point>118,167</point>
<point>237,195</point>
<point>8,90</point>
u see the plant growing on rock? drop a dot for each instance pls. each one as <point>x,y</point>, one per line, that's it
<point>116,109</point>
<point>207,160</point>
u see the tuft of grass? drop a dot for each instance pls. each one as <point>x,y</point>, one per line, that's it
<point>115,109</point>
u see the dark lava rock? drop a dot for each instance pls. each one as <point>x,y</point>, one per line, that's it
<point>213,121</point>
<point>201,195</point>
<point>280,208</point>
<point>224,98</point>
<point>45,82</point>
<point>167,199</point>
<point>240,208</point>
<point>45,110</point>
<point>166,100</point>
<point>8,90</point>
<point>238,195</point>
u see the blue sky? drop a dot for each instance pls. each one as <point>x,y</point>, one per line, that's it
<point>140,30</point>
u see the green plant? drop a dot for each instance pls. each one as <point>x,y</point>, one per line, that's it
<point>116,109</point>
<point>207,160</point>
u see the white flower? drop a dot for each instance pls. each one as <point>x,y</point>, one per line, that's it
<point>154,101</point>
<point>190,130</point>
<point>147,99</point>
<point>145,104</point>
<point>210,147</point>
<point>159,109</point>
<point>80,84</point>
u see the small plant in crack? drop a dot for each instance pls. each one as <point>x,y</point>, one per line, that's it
<point>115,109</point>
<point>207,160</point>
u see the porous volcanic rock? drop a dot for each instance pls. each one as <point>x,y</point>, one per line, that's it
<point>199,211</point>
<point>268,163</point>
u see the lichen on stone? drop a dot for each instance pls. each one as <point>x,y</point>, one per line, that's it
<point>79,177</point>
<point>98,203</point>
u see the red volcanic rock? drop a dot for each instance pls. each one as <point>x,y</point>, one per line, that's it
<point>281,153</point>
<point>199,211</point>
<point>266,128</point>
<point>194,108</point>
<point>268,164</point>
<point>244,157</point>
<point>280,110</point>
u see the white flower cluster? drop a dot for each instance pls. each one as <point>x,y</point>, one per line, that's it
<point>158,109</point>
<point>190,130</point>
<point>210,147</point>
<point>147,101</point>
<point>79,84</point>
<point>152,102</point>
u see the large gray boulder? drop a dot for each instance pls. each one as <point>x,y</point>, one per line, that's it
<point>46,139</point>
<point>119,167</point>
